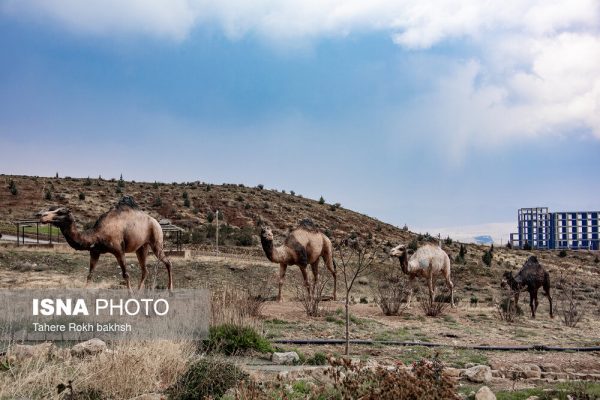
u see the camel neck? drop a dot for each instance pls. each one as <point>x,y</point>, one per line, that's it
<point>274,254</point>
<point>76,239</point>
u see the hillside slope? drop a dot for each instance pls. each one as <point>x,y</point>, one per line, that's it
<point>240,206</point>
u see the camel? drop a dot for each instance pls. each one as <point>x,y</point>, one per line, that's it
<point>123,229</point>
<point>531,276</point>
<point>303,246</point>
<point>428,262</point>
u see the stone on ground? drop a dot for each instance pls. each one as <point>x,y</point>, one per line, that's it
<point>478,374</point>
<point>287,358</point>
<point>484,393</point>
<point>88,348</point>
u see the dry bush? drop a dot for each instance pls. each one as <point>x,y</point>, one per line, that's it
<point>353,380</point>
<point>240,307</point>
<point>433,308</point>
<point>570,309</point>
<point>313,304</point>
<point>130,369</point>
<point>392,294</point>
<point>506,309</point>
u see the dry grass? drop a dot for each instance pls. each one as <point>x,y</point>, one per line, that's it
<point>391,294</point>
<point>129,369</point>
<point>432,307</point>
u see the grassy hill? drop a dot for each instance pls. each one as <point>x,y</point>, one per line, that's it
<point>191,205</point>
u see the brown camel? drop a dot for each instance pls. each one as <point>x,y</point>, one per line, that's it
<point>303,246</point>
<point>123,229</point>
<point>530,277</point>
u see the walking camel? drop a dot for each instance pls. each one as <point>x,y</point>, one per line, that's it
<point>304,246</point>
<point>123,229</point>
<point>530,277</point>
<point>428,262</point>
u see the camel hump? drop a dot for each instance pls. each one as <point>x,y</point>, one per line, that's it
<point>127,201</point>
<point>308,225</point>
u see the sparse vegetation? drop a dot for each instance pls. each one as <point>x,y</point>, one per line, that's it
<point>321,200</point>
<point>487,257</point>
<point>207,378</point>
<point>233,339</point>
<point>81,196</point>
<point>433,307</point>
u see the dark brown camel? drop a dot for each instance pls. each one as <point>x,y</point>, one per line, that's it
<point>303,246</point>
<point>530,277</point>
<point>123,229</point>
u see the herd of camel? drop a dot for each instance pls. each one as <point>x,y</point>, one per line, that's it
<point>125,228</point>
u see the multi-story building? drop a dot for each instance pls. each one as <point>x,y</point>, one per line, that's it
<point>542,229</point>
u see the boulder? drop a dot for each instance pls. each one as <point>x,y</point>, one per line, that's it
<point>88,348</point>
<point>484,393</point>
<point>527,371</point>
<point>478,374</point>
<point>289,357</point>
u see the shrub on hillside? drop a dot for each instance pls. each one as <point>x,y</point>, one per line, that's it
<point>562,253</point>
<point>81,196</point>
<point>487,257</point>
<point>207,378</point>
<point>234,339</point>
<point>321,200</point>
<point>433,308</point>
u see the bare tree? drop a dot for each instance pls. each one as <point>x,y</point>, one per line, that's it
<point>356,257</point>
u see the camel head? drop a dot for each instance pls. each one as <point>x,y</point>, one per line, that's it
<point>56,216</point>
<point>398,250</point>
<point>507,278</point>
<point>266,233</point>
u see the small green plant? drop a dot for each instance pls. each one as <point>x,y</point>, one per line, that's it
<point>157,202</point>
<point>12,186</point>
<point>292,193</point>
<point>155,185</point>
<point>487,257</point>
<point>321,200</point>
<point>562,253</point>
<point>207,378</point>
<point>185,195</point>
<point>81,196</point>
<point>119,190</point>
<point>413,245</point>
<point>47,194</point>
<point>210,217</point>
<point>319,358</point>
<point>121,182</point>
<point>448,241</point>
<point>87,182</point>
<point>335,206</point>
<point>260,186</point>
<point>474,300</point>
<point>186,202</point>
<point>596,260</point>
<point>233,339</point>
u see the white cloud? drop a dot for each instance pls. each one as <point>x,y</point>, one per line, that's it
<point>535,68</point>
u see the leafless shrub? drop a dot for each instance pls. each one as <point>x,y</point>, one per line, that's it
<point>569,307</point>
<point>392,294</point>
<point>312,303</point>
<point>506,309</point>
<point>257,294</point>
<point>433,308</point>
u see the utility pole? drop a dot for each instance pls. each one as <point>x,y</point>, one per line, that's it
<point>217,231</point>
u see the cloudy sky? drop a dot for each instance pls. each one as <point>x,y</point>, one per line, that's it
<point>434,113</point>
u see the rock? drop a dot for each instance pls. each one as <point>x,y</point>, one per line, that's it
<point>453,372</point>
<point>478,374</point>
<point>21,352</point>
<point>484,393</point>
<point>285,358</point>
<point>149,396</point>
<point>533,398</point>
<point>528,371</point>
<point>88,348</point>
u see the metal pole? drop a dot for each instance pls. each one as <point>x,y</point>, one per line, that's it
<point>217,231</point>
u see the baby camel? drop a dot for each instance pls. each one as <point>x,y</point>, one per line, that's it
<point>531,277</point>
<point>428,262</point>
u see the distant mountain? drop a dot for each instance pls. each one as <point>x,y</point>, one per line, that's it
<point>484,239</point>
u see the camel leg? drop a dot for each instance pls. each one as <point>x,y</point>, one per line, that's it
<point>331,267</point>
<point>306,284</point>
<point>535,300</point>
<point>532,302</point>
<point>547,294</point>
<point>160,254</point>
<point>431,288</point>
<point>282,269</point>
<point>142,254</point>
<point>410,292</point>
<point>451,286</point>
<point>93,261</point>
<point>121,261</point>
<point>315,271</point>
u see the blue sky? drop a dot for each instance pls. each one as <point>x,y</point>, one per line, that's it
<point>435,114</point>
